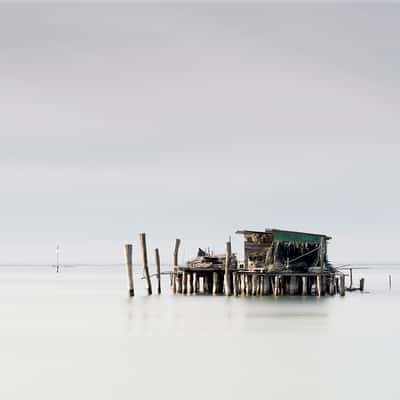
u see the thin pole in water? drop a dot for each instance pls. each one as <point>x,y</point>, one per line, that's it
<point>227,280</point>
<point>142,238</point>
<point>58,258</point>
<point>390,282</point>
<point>128,252</point>
<point>158,269</point>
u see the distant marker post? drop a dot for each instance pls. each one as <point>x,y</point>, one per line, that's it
<point>58,258</point>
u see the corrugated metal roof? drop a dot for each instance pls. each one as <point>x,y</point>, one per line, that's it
<point>286,235</point>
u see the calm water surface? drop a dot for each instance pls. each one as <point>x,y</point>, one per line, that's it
<point>76,335</point>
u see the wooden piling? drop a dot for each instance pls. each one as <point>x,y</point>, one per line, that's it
<point>210,282</point>
<point>282,285</point>
<point>179,283</point>
<point>228,254</point>
<point>235,283</point>
<point>195,283</point>
<point>293,285</point>
<point>206,283</point>
<point>390,282</point>
<point>175,263</point>
<point>215,283</point>
<point>267,285</point>
<point>248,284</point>
<point>158,269</point>
<point>342,288</point>
<point>177,243</point>
<point>351,278</point>
<point>189,287</point>
<point>362,284</point>
<point>128,251</point>
<point>322,253</point>
<point>331,285</point>
<point>276,285</point>
<point>272,281</point>
<point>184,282</point>
<point>261,285</point>
<point>318,285</point>
<point>323,285</point>
<point>142,237</point>
<point>254,285</point>
<point>313,286</point>
<point>242,284</point>
<point>304,286</point>
<point>201,284</point>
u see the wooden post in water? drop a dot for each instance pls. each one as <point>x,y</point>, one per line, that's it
<point>206,283</point>
<point>248,284</point>
<point>189,289</point>
<point>242,284</point>
<point>323,285</point>
<point>210,282</point>
<point>305,286</point>
<point>322,253</point>
<point>254,284</point>
<point>195,283</point>
<point>342,287</point>
<point>215,282</point>
<point>332,285</point>
<point>158,269</point>
<point>362,284</point>
<point>390,282</point>
<point>179,283</point>
<point>261,287</point>
<point>351,278</point>
<point>175,263</point>
<point>267,285</point>
<point>227,282</point>
<point>276,285</point>
<point>282,285</point>
<point>318,285</point>
<point>184,282</point>
<point>142,237</point>
<point>201,284</point>
<point>128,251</point>
<point>272,283</point>
<point>235,282</point>
<point>293,285</point>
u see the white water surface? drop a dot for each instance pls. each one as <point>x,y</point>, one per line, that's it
<point>77,335</point>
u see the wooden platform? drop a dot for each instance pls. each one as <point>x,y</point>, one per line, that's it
<point>257,283</point>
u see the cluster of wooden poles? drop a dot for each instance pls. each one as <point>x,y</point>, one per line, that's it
<point>228,281</point>
<point>243,282</point>
<point>258,283</point>
<point>128,252</point>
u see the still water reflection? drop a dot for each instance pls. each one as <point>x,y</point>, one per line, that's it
<point>76,335</point>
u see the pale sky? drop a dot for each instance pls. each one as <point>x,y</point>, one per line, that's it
<point>194,121</point>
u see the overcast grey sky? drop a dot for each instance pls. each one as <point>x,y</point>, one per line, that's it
<point>193,121</point>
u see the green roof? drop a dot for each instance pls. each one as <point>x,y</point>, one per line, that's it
<point>290,236</point>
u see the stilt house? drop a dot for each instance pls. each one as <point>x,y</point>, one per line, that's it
<point>278,250</point>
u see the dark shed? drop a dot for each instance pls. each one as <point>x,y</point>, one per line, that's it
<point>275,249</point>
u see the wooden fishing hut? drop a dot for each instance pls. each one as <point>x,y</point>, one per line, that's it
<point>276,262</point>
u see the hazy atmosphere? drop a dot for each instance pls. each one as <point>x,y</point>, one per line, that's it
<point>194,121</point>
